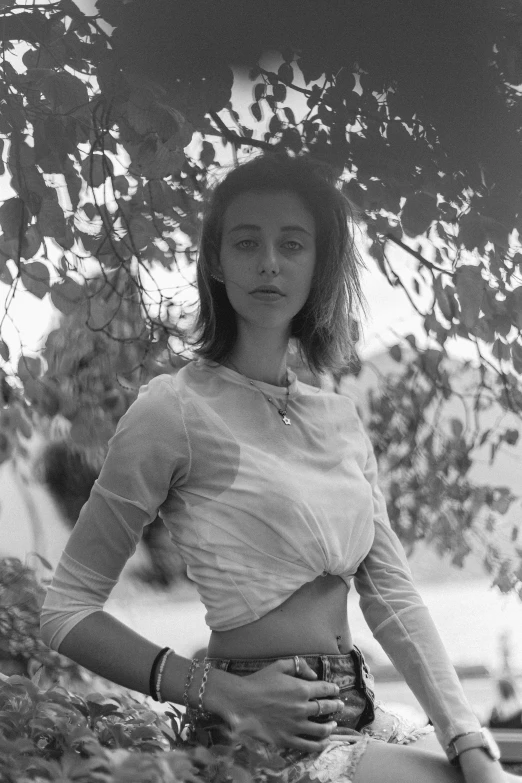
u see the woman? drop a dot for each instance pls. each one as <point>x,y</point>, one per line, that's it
<point>269,488</point>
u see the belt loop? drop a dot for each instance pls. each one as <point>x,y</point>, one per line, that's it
<point>326,674</point>
<point>357,661</point>
<point>223,664</point>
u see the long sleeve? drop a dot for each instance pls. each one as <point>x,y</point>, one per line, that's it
<point>401,623</point>
<point>148,456</point>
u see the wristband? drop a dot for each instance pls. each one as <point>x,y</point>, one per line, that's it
<point>160,674</point>
<point>152,677</point>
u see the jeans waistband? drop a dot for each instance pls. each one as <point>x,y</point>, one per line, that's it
<point>351,665</point>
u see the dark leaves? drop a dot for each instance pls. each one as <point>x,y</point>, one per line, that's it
<point>35,277</point>
<point>419,211</point>
<point>14,217</point>
<point>67,295</point>
<point>255,110</point>
<point>470,287</point>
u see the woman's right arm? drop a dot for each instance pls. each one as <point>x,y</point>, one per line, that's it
<point>272,704</point>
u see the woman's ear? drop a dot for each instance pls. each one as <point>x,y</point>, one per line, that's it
<point>216,272</point>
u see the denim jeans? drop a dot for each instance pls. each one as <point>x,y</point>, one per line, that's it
<point>349,671</point>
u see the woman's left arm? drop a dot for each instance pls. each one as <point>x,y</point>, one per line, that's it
<point>401,623</point>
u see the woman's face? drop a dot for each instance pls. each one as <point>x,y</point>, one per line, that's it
<point>267,257</point>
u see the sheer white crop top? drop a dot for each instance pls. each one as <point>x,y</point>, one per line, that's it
<point>257,509</point>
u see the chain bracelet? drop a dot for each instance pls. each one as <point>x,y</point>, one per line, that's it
<point>192,668</point>
<point>202,687</point>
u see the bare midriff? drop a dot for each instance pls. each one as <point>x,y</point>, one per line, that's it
<point>313,620</point>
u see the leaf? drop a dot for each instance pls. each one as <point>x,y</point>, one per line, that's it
<point>5,275</point>
<point>484,330</point>
<point>14,217</point>
<point>514,305</point>
<point>311,70</point>
<point>96,168</point>
<point>66,93</point>
<point>471,232</point>
<point>418,213</point>
<point>208,154</point>
<point>73,182</point>
<point>275,124</point>
<point>31,242</point>
<point>501,351</point>
<point>51,220</point>
<point>259,91</point>
<point>35,277</point>
<point>4,351</point>
<point>90,210</point>
<point>166,162</point>
<point>279,91</point>
<point>28,367</point>
<point>290,116</point>
<point>396,353</point>
<point>120,183</point>
<point>516,353</point>
<point>445,301</point>
<point>67,295</point>
<point>139,113</point>
<point>470,287</point>
<point>511,437</point>
<point>255,110</point>
<point>286,74</point>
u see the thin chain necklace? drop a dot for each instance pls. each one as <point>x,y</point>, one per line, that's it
<point>282,411</point>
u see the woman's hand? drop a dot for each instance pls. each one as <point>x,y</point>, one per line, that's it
<point>275,705</point>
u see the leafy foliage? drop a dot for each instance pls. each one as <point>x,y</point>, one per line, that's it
<point>424,465</point>
<point>21,648</point>
<point>108,149</point>
<point>55,735</point>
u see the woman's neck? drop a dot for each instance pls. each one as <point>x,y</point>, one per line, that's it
<point>261,360</point>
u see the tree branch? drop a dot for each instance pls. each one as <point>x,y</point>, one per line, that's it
<point>418,256</point>
<point>235,138</point>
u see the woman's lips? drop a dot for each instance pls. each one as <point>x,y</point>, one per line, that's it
<point>267,296</point>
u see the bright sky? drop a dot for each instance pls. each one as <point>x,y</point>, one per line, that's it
<point>390,313</point>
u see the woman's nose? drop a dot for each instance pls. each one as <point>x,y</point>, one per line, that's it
<point>269,261</point>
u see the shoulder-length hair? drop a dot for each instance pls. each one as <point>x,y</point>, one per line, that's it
<point>326,327</point>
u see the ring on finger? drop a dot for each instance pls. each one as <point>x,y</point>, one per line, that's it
<point>319,708</point>
<point>297,665</point>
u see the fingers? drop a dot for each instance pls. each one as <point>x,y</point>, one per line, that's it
<point>296,667</point>
<point>306,672</point>
<point>318,707</point>
<point>324,690</point>
<point>315,737</point>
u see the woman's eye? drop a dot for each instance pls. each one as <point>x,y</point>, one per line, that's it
<point>296,245</point>
<point>245,244</point>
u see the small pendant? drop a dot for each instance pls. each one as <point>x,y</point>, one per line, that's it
<point>283,415</point>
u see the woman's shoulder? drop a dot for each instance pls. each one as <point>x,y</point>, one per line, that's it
<point>156,405</point>
<point>328,396</point>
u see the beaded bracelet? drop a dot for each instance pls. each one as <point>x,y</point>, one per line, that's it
<point>202,687</point>
<point>152,677</point>
<point>192,668</point>
<point>160,674</point>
